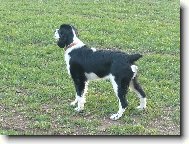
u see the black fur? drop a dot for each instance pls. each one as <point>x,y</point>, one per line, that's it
<point>102,62</point>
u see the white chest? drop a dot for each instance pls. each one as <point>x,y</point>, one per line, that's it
<point>67,60</point>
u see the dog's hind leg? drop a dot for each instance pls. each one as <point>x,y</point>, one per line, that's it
<point>135,86</point>
<point>120,88</point>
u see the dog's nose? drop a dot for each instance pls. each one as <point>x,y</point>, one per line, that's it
<point>56,34</point>
<point>56,30</point>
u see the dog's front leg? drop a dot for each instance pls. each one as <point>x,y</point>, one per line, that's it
<point>83,95</point>
<point>81,103</point>
<point>81,88</point>
<point>75,101</point>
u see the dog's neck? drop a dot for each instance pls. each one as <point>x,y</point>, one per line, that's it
<point>77,43</point>
<point>73,44</point>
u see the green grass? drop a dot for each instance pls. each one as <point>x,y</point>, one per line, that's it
<point>35,89</point>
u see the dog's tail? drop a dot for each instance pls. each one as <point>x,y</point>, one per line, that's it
<point>134,57</point>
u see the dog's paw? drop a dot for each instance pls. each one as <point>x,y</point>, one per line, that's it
<point>78,109</point>
<point>73,103</point>
<point>140,108</point>
<point>115,117</point>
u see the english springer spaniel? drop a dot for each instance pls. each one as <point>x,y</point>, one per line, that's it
<point>85,64</point>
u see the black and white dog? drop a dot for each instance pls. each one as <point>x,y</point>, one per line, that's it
<point>84,64</point>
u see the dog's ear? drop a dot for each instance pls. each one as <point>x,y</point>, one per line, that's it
<point>61,42</point>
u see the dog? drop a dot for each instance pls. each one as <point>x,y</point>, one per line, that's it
<point>85,64</point>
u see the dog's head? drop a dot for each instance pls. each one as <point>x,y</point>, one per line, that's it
<point>65,35</point>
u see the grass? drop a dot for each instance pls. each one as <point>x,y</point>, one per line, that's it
<point>35,89</point>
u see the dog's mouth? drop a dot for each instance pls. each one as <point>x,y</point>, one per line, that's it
<point>56,35</point>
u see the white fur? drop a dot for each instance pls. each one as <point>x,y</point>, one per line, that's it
<point>114,84</point>
<point>75,101</point>
<point>76,40</point>
<point>134,69</point>
<point>85,91</point>
<point>81,102</point>
<point>67,59</point>
<point>56,35</point>
<point>76,97</point>
<point>94,49</point>
<point>91,76</point>
<point>142,103</point>
<point>81,99</point>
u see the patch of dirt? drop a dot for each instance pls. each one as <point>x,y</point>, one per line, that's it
<point>106,122</point>
<point>165,126</point>
<point>15,122</point>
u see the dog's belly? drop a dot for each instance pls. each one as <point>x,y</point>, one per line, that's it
<point>93,76</point>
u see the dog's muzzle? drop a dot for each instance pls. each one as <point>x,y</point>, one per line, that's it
<point>56,35</point>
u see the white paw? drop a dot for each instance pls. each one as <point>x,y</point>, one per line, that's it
<point>78,109</point>
<point>73,103</point>
<point>115,117</point>
<point>140,108</point>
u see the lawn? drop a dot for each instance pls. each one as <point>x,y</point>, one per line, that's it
<point>35,89</point>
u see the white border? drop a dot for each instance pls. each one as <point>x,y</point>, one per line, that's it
<point>131,140</point>
<point>185,78</point>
